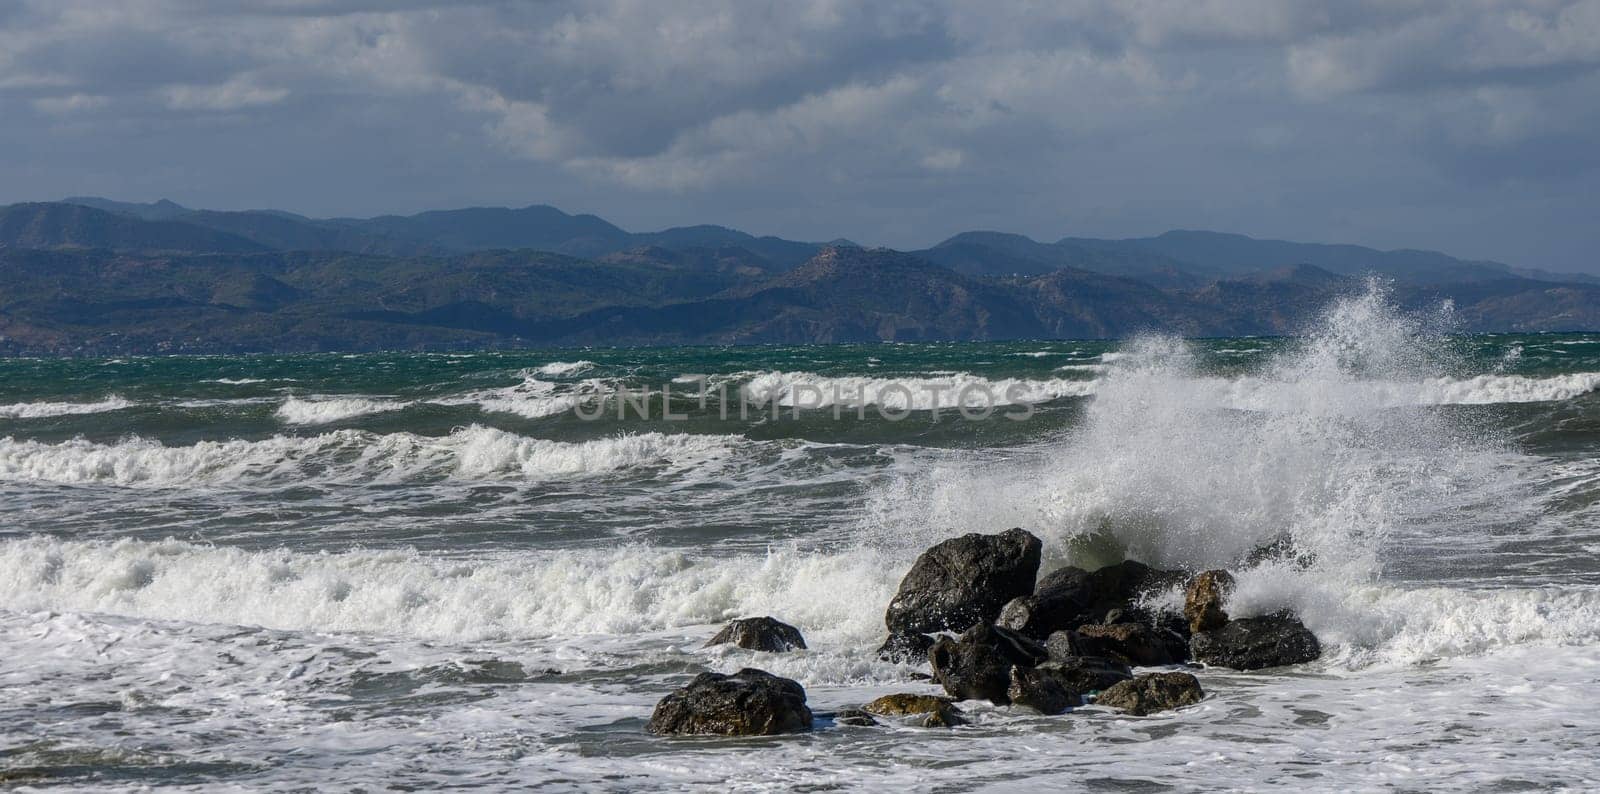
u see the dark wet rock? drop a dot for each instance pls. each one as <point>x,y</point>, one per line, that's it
<point>1043,689</point>
<point>853,717</point>
<point>1281,550</point>
<point>942,719</point>
<point>937,712</point>
<point>1071,597</point>
<point>1152,692</point>
<point>977,665</point>
<point>905,646</point>
<point>748,703</point>
<point>1088,673</point>
<point>1255,643</point>
<point>1138,644</point>
<point>760,634</point>
<point>1202,600</point>
<point>963,581</point>
<point>1069,644</point>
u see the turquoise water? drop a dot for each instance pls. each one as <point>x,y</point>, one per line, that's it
<point>467,569</point>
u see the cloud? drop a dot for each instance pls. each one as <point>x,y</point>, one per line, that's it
<point>893,122</point>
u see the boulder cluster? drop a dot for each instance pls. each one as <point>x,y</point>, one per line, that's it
<point>975,610</point>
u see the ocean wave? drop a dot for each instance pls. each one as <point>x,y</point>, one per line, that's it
<point>40,410</point>
<point>325,410</point>
<point>955,390</point>
<point>403,593</point>
<point>474,452</point>
<point>533,398</point>
<point>1352,395</point>
<point>559,369</point>
<point>837,599</point>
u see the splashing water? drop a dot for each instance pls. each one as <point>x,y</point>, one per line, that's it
<point>1182,470</point>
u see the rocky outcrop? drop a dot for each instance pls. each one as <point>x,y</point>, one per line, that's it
<point>1071,597</point>
<point>1138,644</point>
<point>1088,673</point>
<point>905,646</point>
<point>748,703</point>
<point>977,665</point>
<point>964,581</point>
<point>1202,600</point>
<point>1153,692</point>
<point>1043,689</point>
<point>1256,643</point>
<point>934,712</point>
<point>760,634</point>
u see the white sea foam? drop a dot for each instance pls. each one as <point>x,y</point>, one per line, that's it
<point>534,398</point>
<point>348,455</point>
<point>809,390</point>
<point>838,597</point>
<point>40,410</point>
<point>237,381</point>
<point>326,410</point>
<point>559,369</point>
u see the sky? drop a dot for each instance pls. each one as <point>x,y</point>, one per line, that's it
<point>1467,126</point>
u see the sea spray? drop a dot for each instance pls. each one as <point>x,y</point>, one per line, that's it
<point>1168,469</point>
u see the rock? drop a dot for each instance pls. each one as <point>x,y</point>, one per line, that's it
<point>942,719</point>
<point>760,634</point>
<point>1069,644</point>
<point>1088,673</point>
<point>853,717</point>
<point>905,646</point>
<point>1255,643</point>
<point>1280,550</point>
<point>1071,597</point>
<point>977,665</point>
<point>1042,689</point>
<point>940,712</point>
<point>1202,600</point>
<point>963,581</point>
<point>748,703</point>
<point>1152,692</point>
<point>1137,644</point>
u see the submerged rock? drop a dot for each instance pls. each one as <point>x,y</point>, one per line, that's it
<point>1085,674</point>
<point>1044,689</point>
<point>748,703</point>
<point>760,634</point>
<point>939,712</point>
<point>853,717</point>
<point>1071,597</point>
<point>1137,644</point>
<point>963,581</point>
<point>1255,643</point>
<point>906,646</point>
<point>977,665</point>
<point>1202,600</point>
<point>1153,692</point>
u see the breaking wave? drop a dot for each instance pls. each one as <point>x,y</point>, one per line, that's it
<point>808,390</point>
<point>40,410</point>
<point>326,410</point>
<point>474,452</point>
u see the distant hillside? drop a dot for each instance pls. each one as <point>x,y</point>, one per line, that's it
<point>96,276</point>
<point>538,227</point>
<point>80,301</point>
<point>74,226</point>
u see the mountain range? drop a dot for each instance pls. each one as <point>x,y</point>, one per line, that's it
<point>90,276</point>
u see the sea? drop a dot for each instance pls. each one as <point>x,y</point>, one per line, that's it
<point>481,570</point>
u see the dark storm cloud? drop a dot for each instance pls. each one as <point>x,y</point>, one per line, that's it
<point>1465,126</point>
